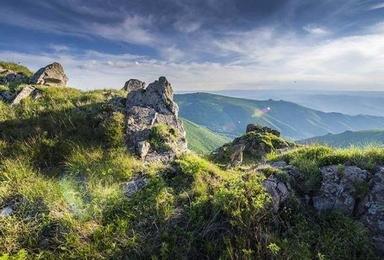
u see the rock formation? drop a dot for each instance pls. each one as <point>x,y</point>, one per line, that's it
<point>154,131</point>
<point>133,84</point>
<point>347,189</point>
<point>9,76</point>
<point>254,145</point>
<point>51,75</point>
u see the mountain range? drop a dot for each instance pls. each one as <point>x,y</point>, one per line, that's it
<point>230,116</point>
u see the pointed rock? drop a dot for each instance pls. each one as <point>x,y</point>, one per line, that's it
<point>52,75</point>
<point>154,131</point>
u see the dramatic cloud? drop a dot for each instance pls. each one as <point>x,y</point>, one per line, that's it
<point>201,45</point>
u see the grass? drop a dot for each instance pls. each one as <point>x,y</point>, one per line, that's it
<point>16,67</point>
<point>62,166</point>
<point>202,140</point>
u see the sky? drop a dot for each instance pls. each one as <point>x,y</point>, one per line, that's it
<point>201,44</point>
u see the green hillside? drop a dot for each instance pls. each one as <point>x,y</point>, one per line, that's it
<point>230,116</point>
<point>63,166</point>
<point>202,140</point>
<point>349,138</point>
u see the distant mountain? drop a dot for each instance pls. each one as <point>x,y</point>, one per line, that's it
<point>230,116</point>
<point>349,138</point>
<point>346,102</point>
<point>202,140</point>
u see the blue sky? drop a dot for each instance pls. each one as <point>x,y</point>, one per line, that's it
<point>201,45</point>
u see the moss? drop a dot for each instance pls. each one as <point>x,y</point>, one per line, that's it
<point>161,137</point>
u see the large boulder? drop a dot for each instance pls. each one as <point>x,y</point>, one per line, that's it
<point>51,75</point>
<point>340,188</point>
<point>253,146</point>
<point>133,84</point>
<point>371,209</point>
<point>154,131</point>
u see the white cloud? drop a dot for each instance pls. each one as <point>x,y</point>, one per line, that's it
<point>376,6</point>
<point>315,30</point>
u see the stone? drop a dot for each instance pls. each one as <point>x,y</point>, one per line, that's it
<point>12,77</point>
<point>371,209</point>
<point>6,96</point>
<point>148,108</point>
<point>24,93</point>
<point>132,187</point>
<point>6,212</point>
<point>278,190</point>
<point>254,146</point>
<point>339,188</point>
<point>133,84</point>
<point>51,75</point>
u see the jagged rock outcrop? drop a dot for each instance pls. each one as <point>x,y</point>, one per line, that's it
<point>24,93</point>
<point>10,76</point>
<point>348,189</point>
<point>254,145</point>
<point>154,131</point>
<point>51,75</point>
<point>133,84</point>
<point>339,188</point>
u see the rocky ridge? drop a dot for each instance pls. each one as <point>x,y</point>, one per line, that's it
<point>153,129</point>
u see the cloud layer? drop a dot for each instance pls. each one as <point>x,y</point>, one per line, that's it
<point>207,45</point>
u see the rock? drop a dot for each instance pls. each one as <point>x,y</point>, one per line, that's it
<point>132,187</point>
<point>6,96</point>
<point>133,84</point>
<point>254,146</point>
<point>12,77</point>
<point>278,190</point>
<point>52,75</point>
<point>6,212</point>
<point>147,112</point>
<point>279,164</point>
<point>339,188</point>
<point>371,209</point>
<point>24,93</point>
<point>237,155</point>
<point>261,129</point>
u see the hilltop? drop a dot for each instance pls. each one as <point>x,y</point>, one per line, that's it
<point>106,175</point>
<point>349,138</point>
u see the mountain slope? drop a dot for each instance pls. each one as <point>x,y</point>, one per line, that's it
<point>231,115</point>
<point>348,138</point>
<point>202,140</point>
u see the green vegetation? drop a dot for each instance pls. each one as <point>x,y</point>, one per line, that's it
<point>202,140</point>
<point>161,136</point>
<point>62,166</point>
<point>349,138</point>
<point>230,116</point>
<point>16,68</point>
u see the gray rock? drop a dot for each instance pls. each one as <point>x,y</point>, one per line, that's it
<point>237,155</point>
<point>132,187</point>
<point>371,209</point>
<point>279,164</point>
<point>278,190</point>
<point>133,84</point>
<point>147,108</point>
<point>6,212</point>
<point>24,93</point>
<point>11,77</point>
<point>6,96</point>
<point>51,75</point>
<point>339,188</point>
